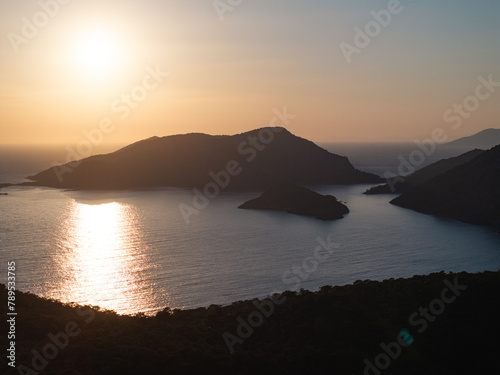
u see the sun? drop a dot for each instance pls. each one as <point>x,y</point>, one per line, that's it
<point>98,52</point>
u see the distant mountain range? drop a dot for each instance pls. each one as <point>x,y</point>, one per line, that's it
<point>247,161</point>
<point>483,140</point>
<point>468,192</point>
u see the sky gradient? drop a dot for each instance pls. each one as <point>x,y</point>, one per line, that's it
<point>104,64</point>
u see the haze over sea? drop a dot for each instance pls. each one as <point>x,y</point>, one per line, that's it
<point>131,251</point>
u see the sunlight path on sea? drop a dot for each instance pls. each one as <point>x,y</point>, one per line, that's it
<point>103,260</point>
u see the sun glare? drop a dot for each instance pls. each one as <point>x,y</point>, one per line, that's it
<point>98,53</point>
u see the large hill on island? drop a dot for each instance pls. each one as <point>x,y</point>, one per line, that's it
<point>468,192</point>
<point>247,161</point>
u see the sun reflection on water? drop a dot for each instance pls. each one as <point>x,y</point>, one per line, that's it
<point>103,260</point>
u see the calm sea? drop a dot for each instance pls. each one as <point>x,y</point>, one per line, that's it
<point>132,251</point>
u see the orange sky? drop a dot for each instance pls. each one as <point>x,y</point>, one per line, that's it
<point>94,62</point>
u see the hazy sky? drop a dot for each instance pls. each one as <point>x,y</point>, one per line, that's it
<point>76,66</point>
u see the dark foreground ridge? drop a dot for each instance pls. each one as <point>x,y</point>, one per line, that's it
<point>248,161</point>
<point>435,324</point>
<point>299,201</point>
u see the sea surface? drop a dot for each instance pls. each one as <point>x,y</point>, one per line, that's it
<point>133,251</point>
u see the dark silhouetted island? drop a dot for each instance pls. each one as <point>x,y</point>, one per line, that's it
<point>248,161</point>
<point>450,320</point>
<point>468,192</point>
<point>299,201</point>
<point>400,184</point>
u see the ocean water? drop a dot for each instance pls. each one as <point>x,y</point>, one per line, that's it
<point>132,251</point>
